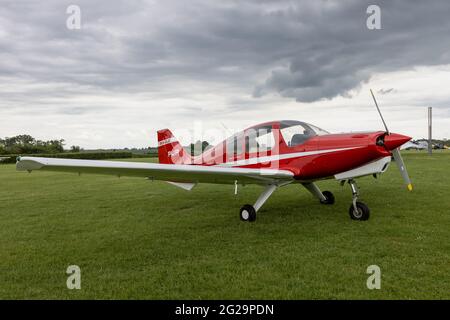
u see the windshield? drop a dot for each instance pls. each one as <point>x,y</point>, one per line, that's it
<point>317,130</point>
<point>296,133</point>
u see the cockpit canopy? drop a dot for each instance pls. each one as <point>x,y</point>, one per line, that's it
<point>296,132</point>
<point>260,138</point>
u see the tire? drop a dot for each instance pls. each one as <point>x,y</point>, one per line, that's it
<point>329,196</point>
<point>362,214</point>
<point>247,213</point>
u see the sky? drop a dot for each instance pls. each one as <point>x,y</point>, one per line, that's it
<point>207,68</point>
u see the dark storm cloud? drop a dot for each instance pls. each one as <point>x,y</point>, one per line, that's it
<point>340,54</point>
<point>301,49</point>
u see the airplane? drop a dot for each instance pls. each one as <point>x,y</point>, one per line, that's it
<point>272,154</point>
<point>412,145</point>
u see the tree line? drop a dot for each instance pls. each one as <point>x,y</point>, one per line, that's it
<point>26,144</point>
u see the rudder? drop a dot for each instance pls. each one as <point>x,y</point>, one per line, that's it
<point>170,151</point>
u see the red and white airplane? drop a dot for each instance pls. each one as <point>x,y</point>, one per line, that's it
<point>271,154</point>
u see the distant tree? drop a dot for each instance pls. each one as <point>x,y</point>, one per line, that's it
<point>55,146</point>
<point>2,146</point>
<point>75,149</point>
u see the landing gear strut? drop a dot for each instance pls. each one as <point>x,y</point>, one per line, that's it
<point>358,210</point>
<point>325,197</point>
<point>248,212</point>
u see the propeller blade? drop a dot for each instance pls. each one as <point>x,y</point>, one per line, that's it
<point>379,112</point>
<point>401,166</point>
<point>395,140</point>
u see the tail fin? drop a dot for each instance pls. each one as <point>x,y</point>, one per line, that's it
<point>170,151</point>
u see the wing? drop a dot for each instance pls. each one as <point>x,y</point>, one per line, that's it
<point>157,171</point>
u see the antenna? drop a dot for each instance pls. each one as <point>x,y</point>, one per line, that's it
<point>379,112</point>
<point>226,128</point>
<point>430,131</point>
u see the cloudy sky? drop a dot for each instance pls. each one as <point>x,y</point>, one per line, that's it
<point>201,66</point>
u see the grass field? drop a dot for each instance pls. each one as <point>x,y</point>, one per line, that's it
<point>133,238</point>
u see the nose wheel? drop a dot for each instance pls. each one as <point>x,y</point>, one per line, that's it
<point>358,210</point>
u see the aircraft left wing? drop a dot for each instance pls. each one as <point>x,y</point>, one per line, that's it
<point>157,171</point>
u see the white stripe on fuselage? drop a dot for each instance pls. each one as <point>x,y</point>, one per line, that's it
<point>284,156</point>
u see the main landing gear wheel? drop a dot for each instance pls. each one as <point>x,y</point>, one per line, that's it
<point>329,198</point>
<point>361,212</point>
<point>248,213</point>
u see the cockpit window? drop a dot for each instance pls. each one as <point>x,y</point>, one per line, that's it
<point>259,139</point>
<point>296,133</point>
<point>234,144</point>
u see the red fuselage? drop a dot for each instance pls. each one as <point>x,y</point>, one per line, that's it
<point>319,157</point>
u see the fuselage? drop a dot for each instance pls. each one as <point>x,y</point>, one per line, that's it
<point>307,151</point>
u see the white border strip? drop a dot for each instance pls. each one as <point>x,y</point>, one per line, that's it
<point>166,141</point>
<point>280,157</point>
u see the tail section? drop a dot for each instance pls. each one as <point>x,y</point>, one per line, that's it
<point>170,151</point>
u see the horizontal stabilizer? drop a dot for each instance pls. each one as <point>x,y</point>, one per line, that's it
<point>183,185</point>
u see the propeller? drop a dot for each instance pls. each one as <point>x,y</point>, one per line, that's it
<point>395,150</point>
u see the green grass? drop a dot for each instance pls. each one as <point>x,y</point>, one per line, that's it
<point>138,239</point>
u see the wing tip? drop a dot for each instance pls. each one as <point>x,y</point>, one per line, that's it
<point>28,164</point>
